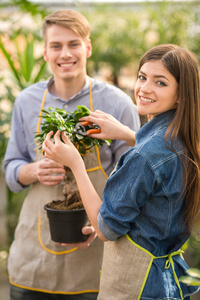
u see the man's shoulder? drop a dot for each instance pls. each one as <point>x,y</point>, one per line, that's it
<point>34,89</point>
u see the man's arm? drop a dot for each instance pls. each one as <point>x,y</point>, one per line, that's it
<point>20,169</point>
<point>46,171</point>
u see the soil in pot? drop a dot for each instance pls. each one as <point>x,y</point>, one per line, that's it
<point>71,201</point>
<point>66,219</point>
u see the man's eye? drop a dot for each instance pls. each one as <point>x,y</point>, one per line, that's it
<point>74,44</point>
<point>55,46</point>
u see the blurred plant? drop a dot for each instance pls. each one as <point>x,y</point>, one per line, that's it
<point>168,23</point>
<point>192,247</point>
<point>193,277</point>
<point>23,69</point>
<point>119,39</point>
<point>3,262</point>
<point>23,65</point>
<point>25,6</point>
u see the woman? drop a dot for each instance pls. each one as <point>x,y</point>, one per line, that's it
<point>151,201</point>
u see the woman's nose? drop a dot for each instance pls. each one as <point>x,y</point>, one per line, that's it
<point>146,87</point>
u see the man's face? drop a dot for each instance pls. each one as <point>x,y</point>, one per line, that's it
<point>66,52</point>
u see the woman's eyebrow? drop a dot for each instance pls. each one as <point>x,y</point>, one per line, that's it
<point>155,76</point>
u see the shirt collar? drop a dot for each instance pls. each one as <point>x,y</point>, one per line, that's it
<point>83,91</point>
<point>158,122</point>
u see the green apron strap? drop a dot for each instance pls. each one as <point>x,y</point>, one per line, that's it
<point>169,262</point>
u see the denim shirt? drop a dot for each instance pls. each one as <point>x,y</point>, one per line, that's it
<point>144,198</point>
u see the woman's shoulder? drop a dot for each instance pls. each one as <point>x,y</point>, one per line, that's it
<point>156,149</point>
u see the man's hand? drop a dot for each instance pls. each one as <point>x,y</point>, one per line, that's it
<point>45,170</point>
<point>88,230</point>
<point>50,172</point>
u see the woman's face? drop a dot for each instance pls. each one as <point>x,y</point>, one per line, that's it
<point>155,89</point>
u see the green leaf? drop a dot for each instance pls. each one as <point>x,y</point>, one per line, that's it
<point>194,272</point>
<point>60,111</point>
<point>189,280</point>
<point>41,72</point>
<point>10,62</point>
<point>61,128</point>
<point>50,108</point>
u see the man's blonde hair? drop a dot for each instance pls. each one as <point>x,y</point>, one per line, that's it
<point>69,19</point>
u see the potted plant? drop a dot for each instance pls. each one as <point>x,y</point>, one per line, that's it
<point>69,210</point>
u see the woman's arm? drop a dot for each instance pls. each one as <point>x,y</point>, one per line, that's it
<point>111,128</point>
<point>66,154</point>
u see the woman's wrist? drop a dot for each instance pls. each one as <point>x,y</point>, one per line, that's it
<point>129,136</point>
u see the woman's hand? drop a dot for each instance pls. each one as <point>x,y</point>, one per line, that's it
<point>63,153</point>
<point>111,128</point>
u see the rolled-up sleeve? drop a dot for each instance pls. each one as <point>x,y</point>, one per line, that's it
<point>17,153</point>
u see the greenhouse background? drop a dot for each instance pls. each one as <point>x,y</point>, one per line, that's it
<point>121,31</point>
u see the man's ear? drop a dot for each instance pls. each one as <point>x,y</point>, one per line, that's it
<point>88,48</point>
<point>45,54</point>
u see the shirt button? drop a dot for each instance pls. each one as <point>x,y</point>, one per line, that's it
<point>65,105</point>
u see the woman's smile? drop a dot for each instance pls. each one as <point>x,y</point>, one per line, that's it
<point>155,89</point>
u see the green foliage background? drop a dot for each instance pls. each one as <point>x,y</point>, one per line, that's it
<point>119,34</point>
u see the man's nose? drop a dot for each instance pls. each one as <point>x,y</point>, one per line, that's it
<point>66,52</point>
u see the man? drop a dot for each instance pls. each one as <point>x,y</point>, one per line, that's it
<point>38,267</point>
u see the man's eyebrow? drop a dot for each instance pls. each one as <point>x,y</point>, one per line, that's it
<point>155,76</point>
<point>58,42</point>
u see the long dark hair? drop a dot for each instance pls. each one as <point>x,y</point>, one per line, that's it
<point>183,65</point>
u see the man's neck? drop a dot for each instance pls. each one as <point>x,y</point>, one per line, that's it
<point>66,89</point>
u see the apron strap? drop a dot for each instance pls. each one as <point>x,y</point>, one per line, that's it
<point>47,249</point>
<point>90,90</point>
<point>39,119</point>
<point>169,262</point>
<point>97,149</point>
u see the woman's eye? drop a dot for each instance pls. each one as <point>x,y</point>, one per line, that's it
<point>161,83</point>
<point>142,77</point>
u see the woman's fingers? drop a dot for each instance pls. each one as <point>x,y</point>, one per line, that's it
<point>49,135</point>
<point>57,136</point>
<point>65,138</point>
<point>46,146</point>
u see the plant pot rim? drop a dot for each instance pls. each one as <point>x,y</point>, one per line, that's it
<point>62,210</point>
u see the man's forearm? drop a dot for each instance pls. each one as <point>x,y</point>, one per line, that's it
<point>28,174</point>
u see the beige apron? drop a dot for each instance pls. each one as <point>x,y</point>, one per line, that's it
<point>36,262</point>
<point>125,269</point>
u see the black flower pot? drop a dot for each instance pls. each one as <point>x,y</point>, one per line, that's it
<point>66,225</point>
